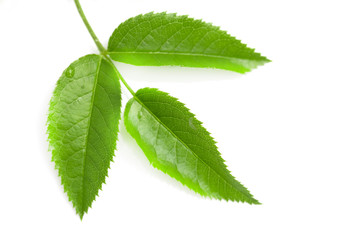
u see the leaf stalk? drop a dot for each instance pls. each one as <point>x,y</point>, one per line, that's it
<point>101,48</point>
<point>91,31</point>
<point>121,77</point>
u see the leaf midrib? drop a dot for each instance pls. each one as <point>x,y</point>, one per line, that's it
<point>188,54</point>
<point>88,128</point>
<point>186,146</point>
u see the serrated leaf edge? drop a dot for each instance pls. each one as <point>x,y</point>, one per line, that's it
<point>164,13</point>
<point>254,201</point>
<point>51,148</point>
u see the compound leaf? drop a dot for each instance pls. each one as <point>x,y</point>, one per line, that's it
<point>175,142</point>
<point>83,124</point>
<point>167,39</point>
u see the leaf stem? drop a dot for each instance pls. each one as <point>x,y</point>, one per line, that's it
<point>87,24</point>
<point>121,77</point>
<point>101,48</point>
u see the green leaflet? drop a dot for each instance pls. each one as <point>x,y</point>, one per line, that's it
<point>83,125</point>
<point>167,39</point>
<point>175,142</point>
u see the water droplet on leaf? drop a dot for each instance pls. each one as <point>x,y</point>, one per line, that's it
<point>139,115</point>
<point>70,72</point>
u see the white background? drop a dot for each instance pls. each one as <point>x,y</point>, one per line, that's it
<point>289,131</point>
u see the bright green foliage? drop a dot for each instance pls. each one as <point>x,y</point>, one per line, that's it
<point>167,39</point>
<point>175,142</point>
<point>84,114</point>
<point>83,125</point>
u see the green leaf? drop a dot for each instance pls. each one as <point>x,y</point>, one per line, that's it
<point>83,124</point>
<point>175,142</point>
<point>167,39</point>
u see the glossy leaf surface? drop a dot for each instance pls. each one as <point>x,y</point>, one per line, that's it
<point>83,125</point>
<point>175,142</point>
<point>167,39</point>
